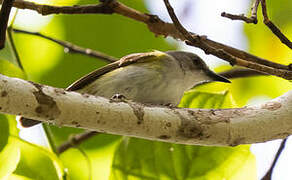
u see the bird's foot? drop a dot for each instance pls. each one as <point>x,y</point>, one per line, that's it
<point>170,105</point>
<point>118,98</point>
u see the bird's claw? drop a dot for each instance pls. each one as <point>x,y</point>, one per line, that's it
<point>118,98</point>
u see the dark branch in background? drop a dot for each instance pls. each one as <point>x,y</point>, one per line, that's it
<point>4,16</point>
<point>231,74</point>
<point>197,41</point>
<point>76,140</point>
<point>159,27</point>
<point>13,48</point>
<point>252,19</point>
<point>273,27</point>
<point>102,8</point>
<point>267,21</point>
<point>72,48</point>
<point>241,73</point>
<point>268,175</point>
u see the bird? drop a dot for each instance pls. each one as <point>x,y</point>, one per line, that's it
<point>156,77</point>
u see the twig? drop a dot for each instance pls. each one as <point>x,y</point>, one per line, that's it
<point>76,9</point>
<point>268,175</point>
<point>4,16</point>
<point>71,48</point>
<point>159,27</point>
<point>241,17</point>
<point>273,27</point>
<point>196,41</point>
<point>251,19</point>
<point>13,48</point>
<point>76,140</point>
<point>241,73</point>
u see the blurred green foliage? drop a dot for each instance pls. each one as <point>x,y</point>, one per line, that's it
<point>110,156</point>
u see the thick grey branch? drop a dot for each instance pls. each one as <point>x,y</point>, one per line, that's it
<point>223,127</point>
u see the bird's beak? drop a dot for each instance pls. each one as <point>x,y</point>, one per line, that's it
<point>216,77</point>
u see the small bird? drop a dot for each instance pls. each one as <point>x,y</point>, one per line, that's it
<point>152,77</point>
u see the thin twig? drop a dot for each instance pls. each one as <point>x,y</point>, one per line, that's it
<point>71,48</point>
<point>76,9</point>
<point>241,73</point>
<point>268,175</point>
<point>196,41</point>
<point>76,140</point>
<point>13,48</point>
<point>273,27</point>
<point>251,19</point>
<point>241,17</point>
<point>4,16</point>
<point>159,27</point>
<point>254,10</point>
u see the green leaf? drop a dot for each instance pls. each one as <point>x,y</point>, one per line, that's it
<point>9,69</point>
<point>9,158</point>
<point>38,163</point>
<point>7,127</point>
<point>143,159</point>
<point>18,177</point>
<point>9,147</point>
<point>4,129</point>
<point>6,53</point>
<point>99,157</point>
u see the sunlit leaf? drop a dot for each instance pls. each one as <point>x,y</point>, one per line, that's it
<point>6,53</point>
<point>9,69</point>
<point>143,159</point>
<point>18,177</point>
<point>4,129</point>
<point>38,163</point>
<point>9,158</point>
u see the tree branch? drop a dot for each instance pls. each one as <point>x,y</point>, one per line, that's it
<point>76,140</point>
<point>72,48</point>
<point>102,8</point>
<point>155,25</point>
<point>252,19</point>
<point>197,41</point>
<point>268,175</point>
<point>4,16</point>
<point>220,127</point>
<point>267,22</point>
<point>241,73</point>
<point>273,27</point>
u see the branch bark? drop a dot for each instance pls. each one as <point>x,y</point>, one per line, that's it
<point>159,27</point>
<point>220,127</point>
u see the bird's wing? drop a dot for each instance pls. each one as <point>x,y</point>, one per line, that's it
<point>124,61</point>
